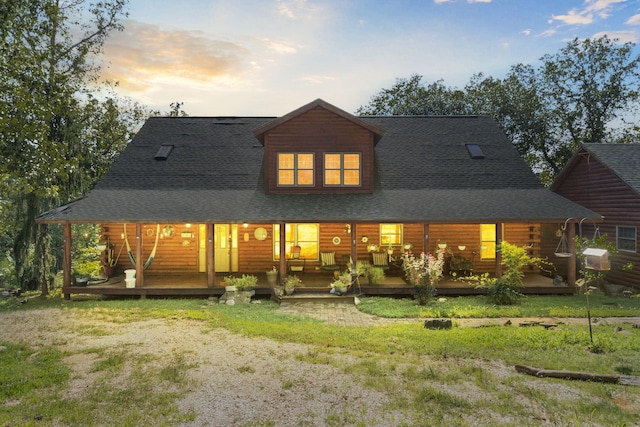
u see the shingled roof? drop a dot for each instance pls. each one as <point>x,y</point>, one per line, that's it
<point>621,159</point>
<point>423,173</point>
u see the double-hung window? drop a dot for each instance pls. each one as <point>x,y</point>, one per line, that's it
<point>487,241</point>
<point>342,169</point>
<point>296,170</point>
<point>306,236</point>
<point>626,238</point>
<point>390,234</point>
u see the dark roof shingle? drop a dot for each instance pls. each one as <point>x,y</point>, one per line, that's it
<point>215,173</point>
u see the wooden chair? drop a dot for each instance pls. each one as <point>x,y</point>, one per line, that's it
<point>328,261</point>
<point>380,260</point>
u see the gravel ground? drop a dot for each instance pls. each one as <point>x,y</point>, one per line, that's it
<point>235,379</point>
<point>239,381</point>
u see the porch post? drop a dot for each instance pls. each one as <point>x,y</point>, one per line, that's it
<point>425,236</point>
<point>354,247</point>
<point>66,257</point>
<point>139,261</point>
<point>211,265</point>
<point>572,261</point>
<point>283,249</point>
<point>498,251</point>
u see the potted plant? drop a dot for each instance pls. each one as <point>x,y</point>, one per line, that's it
<point>246,282</point>
<point>374,274</point>
<point>86,266</point>
<point>290,283</point>
<point>341,284</point>
<point>272,276</point>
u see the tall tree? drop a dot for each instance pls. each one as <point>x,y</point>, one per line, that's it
<point>587,92</point>
<point>410,97</point>
<point>57,135</point>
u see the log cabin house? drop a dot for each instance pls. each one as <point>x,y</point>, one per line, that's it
<point>606,179</point>
<point>213,196</point>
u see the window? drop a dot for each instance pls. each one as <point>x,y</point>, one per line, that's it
<point>626,238</point>
<point>295,169</point>
<point>304,235</point>
<point>487,241</point>
<point>342,169</point>
<point>475,151</point>
<point>390,234</point>
<point>163,152</point>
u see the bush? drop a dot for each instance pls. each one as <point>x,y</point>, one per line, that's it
<point>245,283</point>
<point>374,274</point>
<point>505,290</point>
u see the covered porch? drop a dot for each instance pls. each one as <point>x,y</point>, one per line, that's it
<point>196,285</point>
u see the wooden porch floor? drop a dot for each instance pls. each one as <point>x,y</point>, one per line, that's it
<point>317,283</point>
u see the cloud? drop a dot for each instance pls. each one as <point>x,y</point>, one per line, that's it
<point>294,9</point>
<point>280,47</point>
<point>468,1</point>
<point>621,36</point>
<point>587,14</point>
<point>316,79</point>
<point>526,32</point>
<point>143,52</point>
<point>634,20</point>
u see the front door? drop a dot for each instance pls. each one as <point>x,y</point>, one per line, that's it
<point>226,248</point>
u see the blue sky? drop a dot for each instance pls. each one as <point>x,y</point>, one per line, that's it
<point>269,57</point>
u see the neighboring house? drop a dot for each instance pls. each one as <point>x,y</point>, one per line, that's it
<point>212,195</point>
<point>606,179</point>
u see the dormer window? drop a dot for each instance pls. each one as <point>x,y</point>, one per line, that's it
<point>342,169</point>
<point>296,170</point>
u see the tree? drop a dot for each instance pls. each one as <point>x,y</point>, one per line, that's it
<point>584,93</point>
<point>59,131</point>
<point>410,97</point>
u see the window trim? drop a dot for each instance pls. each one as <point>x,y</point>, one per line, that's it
<point>493,242</point>
<point>628,239</point>
<point>341,169</point>
<point>295,169</point>
<point>400,235</point>
<point>294,242</point>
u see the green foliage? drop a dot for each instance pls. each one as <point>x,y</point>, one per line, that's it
<point>596,277</point>
<point>374,274</point>
<point>60,129</point>
<point>479,306</point>
<point>505,290</point>
<point>342,282</point>
<point>574,96</point>
<point>246,282</point>
<point>291,281</point>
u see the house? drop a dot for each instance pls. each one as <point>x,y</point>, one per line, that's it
<point>209,196</point>
<point>606,179</point>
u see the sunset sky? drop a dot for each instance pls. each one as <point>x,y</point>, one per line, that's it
<point>269,57</point>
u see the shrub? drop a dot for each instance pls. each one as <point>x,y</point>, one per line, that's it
<point>245,283</point>
<point>505,290</point>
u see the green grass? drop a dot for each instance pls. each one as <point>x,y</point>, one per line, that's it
<point>431,377</point>
<point>477,306</point>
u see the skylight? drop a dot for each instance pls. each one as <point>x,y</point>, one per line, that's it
<point>163,152</point>
<point>475,151</point>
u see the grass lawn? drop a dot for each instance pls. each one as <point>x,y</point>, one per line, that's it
<point>531,306</point>
<point>462,376</point>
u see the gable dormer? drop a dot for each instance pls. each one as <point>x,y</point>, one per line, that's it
<point>318,148</point>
